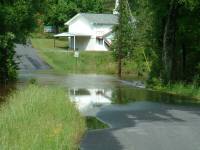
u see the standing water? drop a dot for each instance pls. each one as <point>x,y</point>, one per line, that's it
<point>137,118</point>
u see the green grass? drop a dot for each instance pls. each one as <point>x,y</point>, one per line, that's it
<point>62,61</point>
<point>181,89</point>
<point>40,118</point>
<point>93,123</point>
<point>184,90</point>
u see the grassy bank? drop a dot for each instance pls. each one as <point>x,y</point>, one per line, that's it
<point>39,118</point>
<point>183,89</point>
<point>187,90</point>
<point>63,61</point>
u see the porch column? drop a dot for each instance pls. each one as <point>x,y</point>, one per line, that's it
<point>74,43</point>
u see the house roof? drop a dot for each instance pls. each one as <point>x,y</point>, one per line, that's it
<point>97,18</point>
<point>68,34</point>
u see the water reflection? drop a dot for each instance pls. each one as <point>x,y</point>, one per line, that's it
<point>92,100</point>
<point>125,94</point>
<point>87,99</point>
<point>93,92</point>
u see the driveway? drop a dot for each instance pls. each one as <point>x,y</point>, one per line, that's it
<point>28,58</point>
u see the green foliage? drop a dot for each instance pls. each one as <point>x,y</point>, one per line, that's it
<point>123,43</point>
<point>59,11</point>
<point>169,33</point>
<point>7,65</point>
<point>40,118</point>
<point>18,19</point>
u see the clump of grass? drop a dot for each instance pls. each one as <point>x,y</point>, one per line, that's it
<point>33,81</point>
<point>40,118</point>
<point>93,123</point>
<point>190,90</point>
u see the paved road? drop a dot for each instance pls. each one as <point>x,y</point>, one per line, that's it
<point>28,58</point>
<point>146,126</point>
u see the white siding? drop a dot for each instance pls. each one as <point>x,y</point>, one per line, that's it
<point>80,26</point>
<point>102,29</point>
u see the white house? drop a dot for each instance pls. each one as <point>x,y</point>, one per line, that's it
<point>90,32</point>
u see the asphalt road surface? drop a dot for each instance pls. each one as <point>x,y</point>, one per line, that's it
<point>28,58</point>
<point>146,126</point>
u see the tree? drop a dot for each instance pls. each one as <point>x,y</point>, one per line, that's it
<point>123,41</point>
<point>59,11</point>
<point>18,19</point>
<point>169,30</point>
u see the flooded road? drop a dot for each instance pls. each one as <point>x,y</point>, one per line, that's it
<point>139,119</point>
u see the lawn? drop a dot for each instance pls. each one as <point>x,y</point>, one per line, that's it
<point>40,118</point>
<point>63,61</point>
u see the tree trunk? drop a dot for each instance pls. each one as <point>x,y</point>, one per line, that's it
<point>4,68</point>
<point>56,29</point>
<point>120,68</point>
<point>169,43</point>
<point>183,61</point>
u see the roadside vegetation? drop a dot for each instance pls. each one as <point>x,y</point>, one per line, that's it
<point>63,61</point>
<point>182,89</point>
<point>94,123</point>
<point>169,36</point>
<point>40,118</point>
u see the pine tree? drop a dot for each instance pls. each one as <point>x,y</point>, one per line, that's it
<point>123,41</point>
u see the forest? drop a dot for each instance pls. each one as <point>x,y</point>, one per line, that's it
<point>168,33</point>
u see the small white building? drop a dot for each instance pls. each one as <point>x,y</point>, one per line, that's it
<point>90,32</point>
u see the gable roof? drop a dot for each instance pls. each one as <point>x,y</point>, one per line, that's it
<point>97,18</point>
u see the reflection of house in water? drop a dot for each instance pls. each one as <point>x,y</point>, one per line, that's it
<point>90,98</point>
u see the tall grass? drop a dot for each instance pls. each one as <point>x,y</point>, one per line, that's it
<point>40,118</point>
<point>184,89</point>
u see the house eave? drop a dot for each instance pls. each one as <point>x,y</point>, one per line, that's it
<point>72,19</point>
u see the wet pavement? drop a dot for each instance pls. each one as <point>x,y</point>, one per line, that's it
<point>146,126</point>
